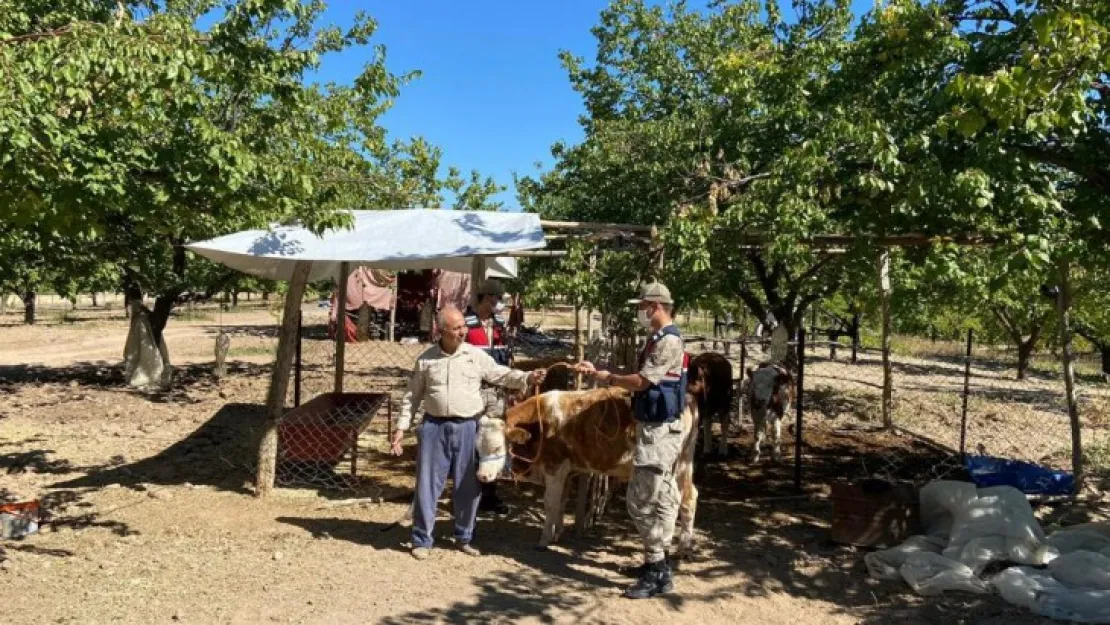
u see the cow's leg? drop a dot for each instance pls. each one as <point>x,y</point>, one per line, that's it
<point>722,443</point>
<point>687,509</point>
<point>760,432</point>
<point>706,436</point>
<point>553,497</point>
<point>776,438</point>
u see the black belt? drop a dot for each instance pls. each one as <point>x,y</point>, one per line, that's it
<point>448,419</point>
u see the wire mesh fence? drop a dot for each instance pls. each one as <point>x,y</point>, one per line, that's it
<point>842,433</point>
<point>332,429</point>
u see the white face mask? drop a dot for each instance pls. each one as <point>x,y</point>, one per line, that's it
<point>644,319</point>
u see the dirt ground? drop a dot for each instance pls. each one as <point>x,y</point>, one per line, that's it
<point>152,519</point>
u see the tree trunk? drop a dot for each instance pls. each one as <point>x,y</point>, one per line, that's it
<point>1063,304</point>
<point>29,298</point>
<point>235,298</point>
<point>95,302</point>
<point>265,296</point>
<point>279,379</point>
<point>888,374</point>
<point>160,314</point>
<point>1024,353</point>
<point>1105,351</point>
<point>857,321</point>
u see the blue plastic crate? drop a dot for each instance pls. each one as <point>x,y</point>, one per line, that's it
<point>1029,478</point>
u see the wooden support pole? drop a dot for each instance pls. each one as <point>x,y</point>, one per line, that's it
<point>393,307</point>
<point>590,310</point>
<point>1063,306</point>
<point>477,275</point>
<point>341,325</point>
<point>279,380</point>
<point>297,364</point>
<point>888,380</point>
<point>579,350</point>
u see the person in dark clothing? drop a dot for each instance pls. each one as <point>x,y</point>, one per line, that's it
<point>485,329</point>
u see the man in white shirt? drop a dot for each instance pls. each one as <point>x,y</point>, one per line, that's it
<point>446,380</point>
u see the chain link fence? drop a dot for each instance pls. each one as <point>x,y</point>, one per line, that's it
<point>329,440</point>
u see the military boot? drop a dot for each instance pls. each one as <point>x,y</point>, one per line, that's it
<point>636,572</point>
<point>656,580</point>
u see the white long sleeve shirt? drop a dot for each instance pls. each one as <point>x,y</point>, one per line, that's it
<point>449,385</point>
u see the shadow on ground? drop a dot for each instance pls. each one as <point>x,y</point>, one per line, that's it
<point>745,550</point>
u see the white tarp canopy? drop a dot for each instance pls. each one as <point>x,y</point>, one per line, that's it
<point>396,240</point>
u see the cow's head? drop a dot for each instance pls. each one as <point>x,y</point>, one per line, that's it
<point>768,386</point>
<point>493,451</point>
<point>494,438</point>
<point>697,380</point>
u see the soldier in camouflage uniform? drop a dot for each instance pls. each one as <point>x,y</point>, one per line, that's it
<point>659,397</point>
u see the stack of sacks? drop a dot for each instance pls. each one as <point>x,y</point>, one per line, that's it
<point>966,529</point>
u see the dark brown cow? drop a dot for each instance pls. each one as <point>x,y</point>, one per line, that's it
<point>710,381</point>
<point>563,432</point>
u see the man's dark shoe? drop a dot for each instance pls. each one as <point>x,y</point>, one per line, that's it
<point>492,504</point>
<point>655,581</point>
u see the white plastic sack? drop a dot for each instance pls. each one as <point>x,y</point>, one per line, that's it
<point>997,525</point>
<point>885,564</point>
<point>931,574</point>
<point>939,502</point>
<point>145,364</point>
<point>996,511</point>
<point>1086,537</point>
<point>1082,569</point>
<point>1040,592</point>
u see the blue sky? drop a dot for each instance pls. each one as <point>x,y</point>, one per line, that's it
<point>493,95</point>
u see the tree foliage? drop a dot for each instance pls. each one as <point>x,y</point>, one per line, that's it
<point>748,130</point>
<point>127,129</point>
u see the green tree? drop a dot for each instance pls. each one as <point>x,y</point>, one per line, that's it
<point>126,126</point>
<point>1092,310</point>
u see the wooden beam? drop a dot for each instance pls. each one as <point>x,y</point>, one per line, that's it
<point>341,325</point>
<point>594,226</point>
<point>279,380</point>
<point>535,254</point>
<point>912,239</point>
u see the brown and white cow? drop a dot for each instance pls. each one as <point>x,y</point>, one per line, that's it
<point>565,432</point>
<point>770,391</point>
<point>710,381</point>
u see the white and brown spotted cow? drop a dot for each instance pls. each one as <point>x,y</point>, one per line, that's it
<point>770,391</point>
<point>582,432</point>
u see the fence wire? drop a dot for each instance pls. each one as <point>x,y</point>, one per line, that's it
<point>328,444</point>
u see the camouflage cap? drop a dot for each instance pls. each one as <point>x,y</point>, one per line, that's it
<point>653,292</point>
